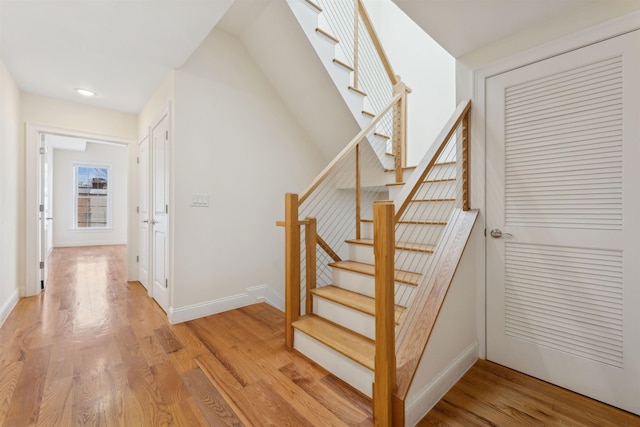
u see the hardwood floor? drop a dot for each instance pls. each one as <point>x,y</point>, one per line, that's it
<point>95,350</point>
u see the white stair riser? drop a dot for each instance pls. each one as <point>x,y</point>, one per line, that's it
<point>354,320</point>
<point>391,176</point>
<point>414,233</point>
<point>443,172</point>
<point>437,190</point>
<point>341,366</point>
<point>364,253</point>
<point>419,233</point>
<point>364,284</point>
<point>429,211</point>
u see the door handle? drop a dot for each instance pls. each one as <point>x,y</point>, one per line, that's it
<point>496,233</point>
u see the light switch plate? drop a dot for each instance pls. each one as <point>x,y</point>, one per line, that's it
<point>200,200</point>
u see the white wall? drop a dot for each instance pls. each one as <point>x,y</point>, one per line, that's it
<point>9,196</point>
<point>114,156</point>
<point>236,141</point>
<point>50,112</point>
<point>424,66</point>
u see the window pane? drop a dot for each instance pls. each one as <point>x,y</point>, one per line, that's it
<point>92,196</point>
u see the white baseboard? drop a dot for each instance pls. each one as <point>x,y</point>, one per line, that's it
<point>8,305</point>
<point>89,243</point>
<point>425,399</point>
<point>254,294</point>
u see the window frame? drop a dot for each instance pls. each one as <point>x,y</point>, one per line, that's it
<point>76,167</point>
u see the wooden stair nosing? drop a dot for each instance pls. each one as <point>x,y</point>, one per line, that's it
<point>403,246</point>
<point>433,200</point>
<point>327,35</point>
<point>314,5</point>
<point>342,64</point>
<point>415,222</point>
<point>353,300</point>
<point>358,91</point>
<point>401,276</point>
<point>350,344</point>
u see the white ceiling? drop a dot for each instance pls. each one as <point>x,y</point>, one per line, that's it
<point>121,49</point>
<point>461,26</point>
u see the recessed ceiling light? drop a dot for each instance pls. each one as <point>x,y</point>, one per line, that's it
<point>85,92</point>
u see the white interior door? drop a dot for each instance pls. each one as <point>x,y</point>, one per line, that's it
<point>563,163</point>
<point>160,212</point>
<point>42,213</point>
<point>144,216</point>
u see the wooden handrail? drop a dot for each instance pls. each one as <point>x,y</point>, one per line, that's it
<point>346,150</point>
<point>376,41</point>
<point>426,164</point>
<point>384,245</point>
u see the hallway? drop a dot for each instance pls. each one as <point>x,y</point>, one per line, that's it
<point>95,350</point>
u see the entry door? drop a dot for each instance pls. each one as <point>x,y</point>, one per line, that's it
<point>160,211</point>
<point>144,215</point>
<point>563,163</point>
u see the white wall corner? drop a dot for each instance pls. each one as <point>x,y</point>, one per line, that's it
<point>265,293</point>
<point>425,399</point>
<point>253,295</point>
<point>8,305</point>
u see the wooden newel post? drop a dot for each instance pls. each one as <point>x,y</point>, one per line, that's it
<point>291,265</point>
<point>400,128</point>
<point>311,242</point>
<point>385,357</point>
<point>466,192</point>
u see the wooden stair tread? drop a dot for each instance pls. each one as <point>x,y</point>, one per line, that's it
<point>417,222</point>
<point>406,277</point>
<point>356,347</point>
<point>354,300</point>
<point>434,200</point>
<point>327,35</point>
<point>314,5</point>
<point>358,91</point>
<point>342,64</point>
<point>404,246</point>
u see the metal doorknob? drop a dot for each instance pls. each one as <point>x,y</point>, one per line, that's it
<point>496,233</point>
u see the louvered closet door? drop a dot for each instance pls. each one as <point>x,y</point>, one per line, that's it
<point>563,178</point>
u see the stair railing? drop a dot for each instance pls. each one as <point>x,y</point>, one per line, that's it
<point>330,210</point>
<point>360,50</point>
<point>432,223</point>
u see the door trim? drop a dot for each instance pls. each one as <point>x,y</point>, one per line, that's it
<point>610,29</point>
<point>31,286</point>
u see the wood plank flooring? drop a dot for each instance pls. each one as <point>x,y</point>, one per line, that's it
<point>95,350</point>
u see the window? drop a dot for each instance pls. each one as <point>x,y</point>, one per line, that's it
<point>92,201</point>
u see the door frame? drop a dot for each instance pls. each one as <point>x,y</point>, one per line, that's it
<point>604,31</point>
<point>167,112</point>
<point>31,286</point>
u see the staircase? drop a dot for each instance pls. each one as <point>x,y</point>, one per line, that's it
<point>371,245</point>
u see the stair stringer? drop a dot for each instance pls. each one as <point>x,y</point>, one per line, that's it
<point>422,318</point>
<point>309,19</point>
